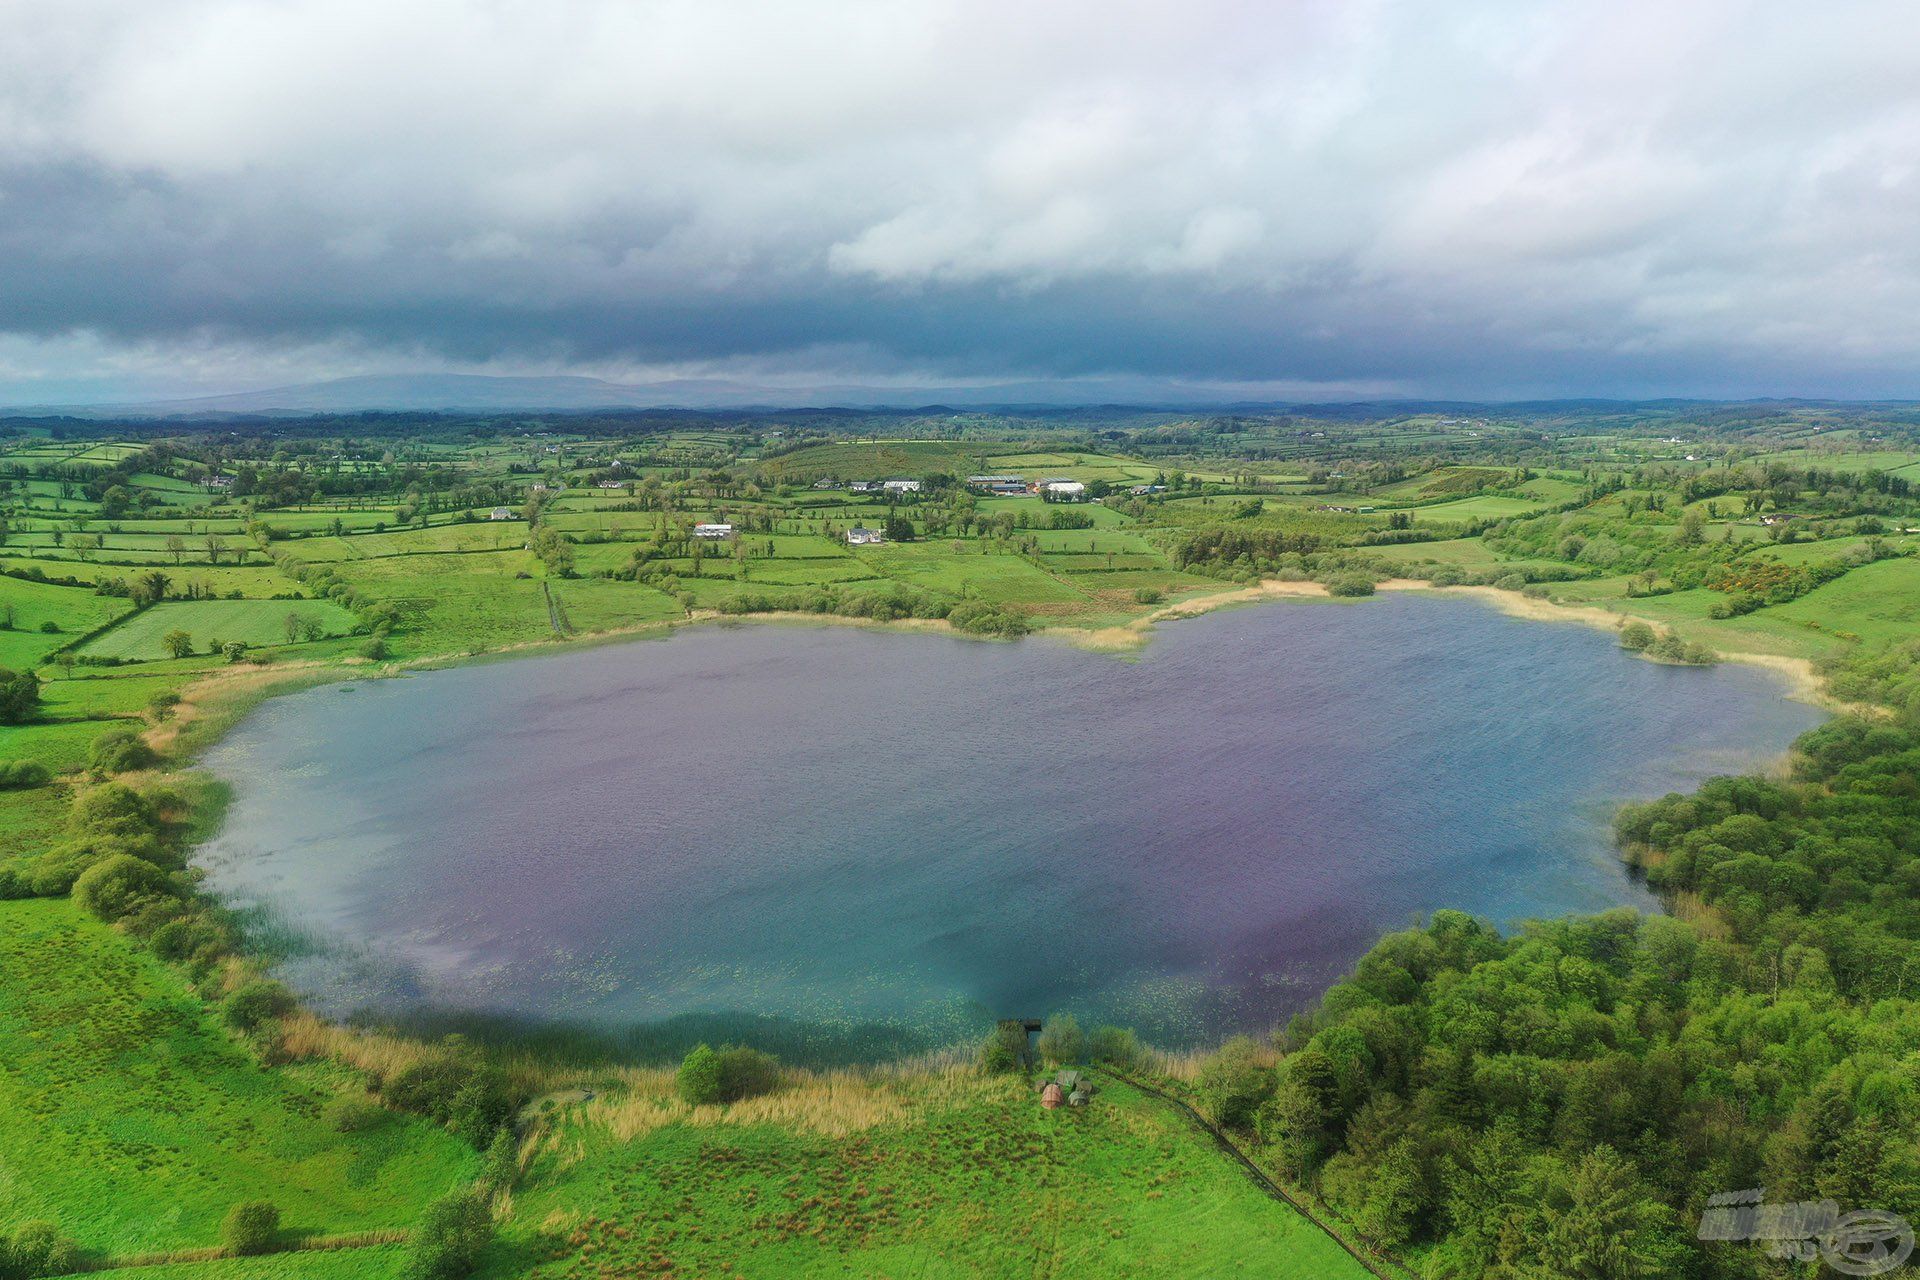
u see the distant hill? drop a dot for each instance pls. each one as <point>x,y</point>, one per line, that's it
<point>476,392</point>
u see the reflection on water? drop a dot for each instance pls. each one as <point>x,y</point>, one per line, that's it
<point>847,842</point>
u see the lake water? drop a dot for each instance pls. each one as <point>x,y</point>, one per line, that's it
<point>844,842</point>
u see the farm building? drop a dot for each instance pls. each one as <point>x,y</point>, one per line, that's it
<point>1065,488</point>
<point>713,531</point>
<point>900,486</point>
<point>998,484</point>
<point>500,513</point>
<point>610,484</point>
<point>861,486</point>
<point>859,537</point>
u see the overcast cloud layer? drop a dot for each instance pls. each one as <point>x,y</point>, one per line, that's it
<point>1471,198</point>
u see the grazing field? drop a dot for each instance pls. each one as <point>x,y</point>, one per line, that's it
<point>134,1122</point>
<point>956,1178</point>
<point>254,623</point>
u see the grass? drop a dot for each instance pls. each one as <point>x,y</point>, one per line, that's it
<point>256,623</point>
<point>959,1176</point>
<point>134,1122</point>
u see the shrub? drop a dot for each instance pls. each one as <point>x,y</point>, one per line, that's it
<point>698,1080</point>
<point>469,1099</point>
<point>1004,1051</point>
<point>1115,1045</point>
<point>1147,595</point>
<point>375,649</point>
<point>19,775</point>
<point>1061,1040</point>
<point>747,1073</point>
<point>111,888</point>
<point>120,751</point>
<point>250,1228</point>
<point>234,651</point>
<point>38,1249</point>
<point>1510,582</point>
<point>178,644</point>
<point>450,1239</point>
<point>1350,585</point>
<point>1637,636</point>
<point>1234,1082</point>
<point>256,1004</point>
<point>19,696</point>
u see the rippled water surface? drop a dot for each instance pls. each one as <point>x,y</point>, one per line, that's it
<point>852,841</point>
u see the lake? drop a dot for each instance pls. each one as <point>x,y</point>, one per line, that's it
<point>842,843</point>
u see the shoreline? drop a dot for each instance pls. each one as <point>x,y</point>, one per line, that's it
<point>218,700</point>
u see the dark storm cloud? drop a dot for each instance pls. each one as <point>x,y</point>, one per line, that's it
<point>1494,198</point>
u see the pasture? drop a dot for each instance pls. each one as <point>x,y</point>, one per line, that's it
<point>254,623</point>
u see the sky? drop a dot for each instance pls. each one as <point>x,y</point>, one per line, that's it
<point>1275,200</point>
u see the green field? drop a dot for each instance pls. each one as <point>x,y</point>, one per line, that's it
<point>980,1181</point>
<point>134,1123</point>
<point>255,623</point>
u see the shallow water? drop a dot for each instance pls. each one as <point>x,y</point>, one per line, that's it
<point>845,842</point>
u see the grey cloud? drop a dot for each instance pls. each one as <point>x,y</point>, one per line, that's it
<point>1481,198</point>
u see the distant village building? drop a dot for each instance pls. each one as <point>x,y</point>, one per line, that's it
<point>713,531</point>
<point>901,486</point>
<point>500,513</point>
<point>1778,517</point>
<point>1142,490</point>
<point>611,484</point>
<point>824,483</point>
<point>1065,488</point>
<point>860,537</point>
<point>218,482</point>
<point>861,486</point>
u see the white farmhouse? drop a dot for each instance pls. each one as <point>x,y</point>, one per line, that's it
<point>859,537</point>
<point>713,531</point>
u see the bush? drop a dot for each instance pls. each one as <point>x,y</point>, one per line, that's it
<point>1147,595</point>
<point>1510,582</point>
<point>19,775</point>
<point>747,1073</point>
<point>1234,1082</point>
<point>1114,1045</point>
<point>374,650</point>
<point>1350,585</point>
<point>38,1249</point>
<point>1637,636</point>
<point>250,1229</point>
<point>1004,1051</point>
<point>1061,1040</point>
<point>256,1004</point>
<point>698,1080</point>
<point>120,751</point>
<point>19,696</point>
<point>112,888</point>
<point>234,651</point>
<point>450,1239</point>
<point>469,1099</point>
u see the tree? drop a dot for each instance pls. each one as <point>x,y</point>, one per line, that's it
<point>251,1228</point>
<point>698,1080</point>
<point>19,696</point>
<point>178,644</point>
<point>119,885</point>
<point>216,547</point>
<point>1004,1051</point>
<point>255,1004</point>
<point>291,624</point>
<point>1637,636</point>
<point>234,650</point>
<point>151,587</point>
<point>176,547</point>
<point>898,529</point>
<point>1234,1082</point>
<point>449,1241</point>
<point>1061,1040</point>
